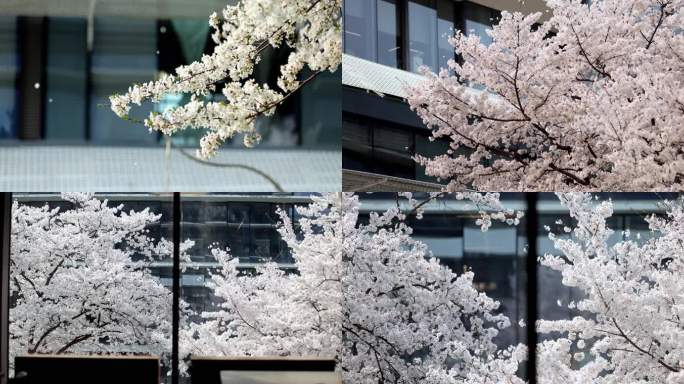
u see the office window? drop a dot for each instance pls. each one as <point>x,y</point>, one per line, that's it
<point>377,146</point>
<point>477,20</point>
<point>445,29</point>
<point>389,39</point>
<point>8,73</point>
<point>124,52</point>
<point>359,28</point>
<point>422,20</point>
<point>321,110</point>
<point>443,234</point>
<point>66,79</point>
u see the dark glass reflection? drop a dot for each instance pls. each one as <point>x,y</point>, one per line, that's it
<point>66,79</point>
<point>124,52</point>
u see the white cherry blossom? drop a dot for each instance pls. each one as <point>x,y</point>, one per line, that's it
<point>80,280</point>
<point>242,32</point>
<point>592,99</point>
<point>629,326</point>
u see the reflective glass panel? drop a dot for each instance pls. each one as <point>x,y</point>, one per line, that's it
<point>124,52</point>
<point>359,28</point>
<point>422,36</point>
<point>389,46</point>
<point>66,75</point>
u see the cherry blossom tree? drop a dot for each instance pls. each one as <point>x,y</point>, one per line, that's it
<point>269,311</point>
<point>368,295</point>
<point>591,99</point>
<point>242,33</point>
<point>629,326</point>
<point>80,280</point>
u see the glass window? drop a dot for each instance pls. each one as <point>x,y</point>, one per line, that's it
<point>321,110</point>
<point>124,52</point>
<point>392,150</point>
<point>500,239</point>
<point>422,20</point>
<point>443,234</point>
<point>478,19</point>
<point>375,146</point>
<point>359,28</point>
<point>428,148</point>
<point>66,79</point>
<point>389,40</point>
<point>8,74</point>
<point>445,29</point>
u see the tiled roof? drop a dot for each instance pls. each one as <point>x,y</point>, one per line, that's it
<point>59,168</point>
<point>378,78</point>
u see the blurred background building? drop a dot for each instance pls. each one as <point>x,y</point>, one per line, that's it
<point>61,60</point>
<point>385,42</point>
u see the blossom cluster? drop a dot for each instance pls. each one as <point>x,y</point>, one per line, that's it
<point>242,32</point>
<point>589,99</point>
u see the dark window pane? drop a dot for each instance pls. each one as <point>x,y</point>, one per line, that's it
<point>66,79</point>
<point>422,21</point>
<point>393,139</point>
<point>359,28</point>
<point>389,47</point>
<point>321,110</point>
<point>124,52</point>
<point>478,20</point>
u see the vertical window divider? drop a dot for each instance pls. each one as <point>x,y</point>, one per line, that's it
<point>175,287</point>
<point>531,225</point>
<point>404,32</point>
<point>5,225</point>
